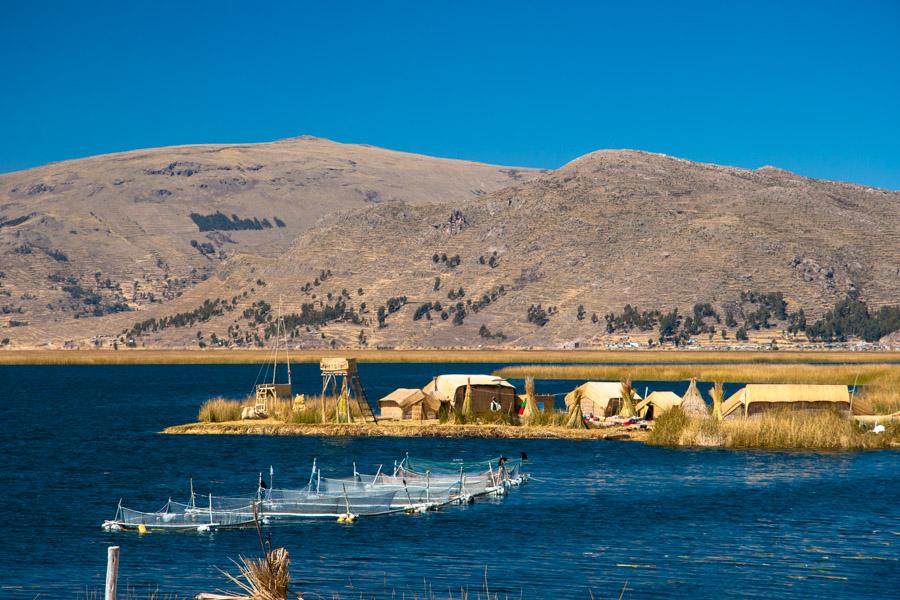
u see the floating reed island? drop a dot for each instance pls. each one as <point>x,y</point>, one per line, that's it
<point>479,405</point>
<point>318,416</point>
<point>787,407</point>
<point>462,406</point>
<point>879,384</point>
<point>766,415</point>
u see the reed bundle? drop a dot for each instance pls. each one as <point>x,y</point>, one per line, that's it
<point>575,418</point>
<point>627,392</point>
<point>265,578</point>
<point>530,413</point>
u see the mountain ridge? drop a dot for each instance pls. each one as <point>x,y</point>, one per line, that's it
<point>610,228</point>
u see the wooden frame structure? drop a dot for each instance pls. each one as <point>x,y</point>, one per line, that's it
<point>342,373</point>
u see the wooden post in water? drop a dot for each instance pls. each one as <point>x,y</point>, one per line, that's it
<point>112,572</point>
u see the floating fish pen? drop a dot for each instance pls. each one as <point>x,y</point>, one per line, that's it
<point>412,487</point>
<point>177,517</point>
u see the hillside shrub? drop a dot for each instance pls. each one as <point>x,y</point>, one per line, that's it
<point>219,221</point>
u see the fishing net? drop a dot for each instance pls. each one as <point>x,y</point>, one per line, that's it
<point>306,503</point>
<point>175,516</point>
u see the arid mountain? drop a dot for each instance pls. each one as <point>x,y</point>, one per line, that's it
<point>138,230</point>
<point>608,229</point>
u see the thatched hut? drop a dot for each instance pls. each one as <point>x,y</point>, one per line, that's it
<point>489,393</point>
<point>692,402</point>
<point>657,403</point>
<point>408,404</point>
<point>758,398</point>
<point>599,398</point>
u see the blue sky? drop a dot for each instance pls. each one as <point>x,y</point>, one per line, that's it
<point>811,87</point>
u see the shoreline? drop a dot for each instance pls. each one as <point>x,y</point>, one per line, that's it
<point>497,355</point>
<point>406,429</point>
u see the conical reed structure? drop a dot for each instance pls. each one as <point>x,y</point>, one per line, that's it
<point>717,391</point>
<point>627,392</point>
<point>467,402</point>
<point>575,418</point>
<point>530,412</point>
<point>692,402</point>
<point>343,404</point>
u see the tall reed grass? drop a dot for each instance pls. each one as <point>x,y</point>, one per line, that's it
<point>548,418</point>
<point>311,412</point>
<point>821,430</point>
<point>220,410</point>
<point>257,356</point>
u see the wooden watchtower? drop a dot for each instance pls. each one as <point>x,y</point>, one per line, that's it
<point>340,374</point>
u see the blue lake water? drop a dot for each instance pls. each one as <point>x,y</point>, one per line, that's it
<point>599,516</point>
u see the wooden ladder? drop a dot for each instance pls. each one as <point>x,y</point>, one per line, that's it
<point>363,402</point>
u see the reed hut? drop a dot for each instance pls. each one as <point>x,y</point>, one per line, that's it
<point>758,398</point>
<point>599,398</point>
<point>692,402</point>
<point>656,404</point>
<point>404,404</point>
<point>489,393</point>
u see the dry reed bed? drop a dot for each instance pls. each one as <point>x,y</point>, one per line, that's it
<point>245,356</point>
<point>221,410</point>
<point>776,430</point>
<point>274,427</point>
<point>880,395</point>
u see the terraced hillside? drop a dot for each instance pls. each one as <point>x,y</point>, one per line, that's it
<point>609,229</point>
<point>539,261</point>
<point>138,230</point>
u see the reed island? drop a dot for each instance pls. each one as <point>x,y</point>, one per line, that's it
<point>814,405</point>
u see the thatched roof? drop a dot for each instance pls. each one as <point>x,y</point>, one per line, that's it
<point>599,393</point>
<point>692,402</point>
<point>443,387</point>
<point>787,393</point>
<point>403,397</point>
<point>661,400</point>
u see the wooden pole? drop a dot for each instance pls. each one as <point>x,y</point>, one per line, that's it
<point>112,572</point>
